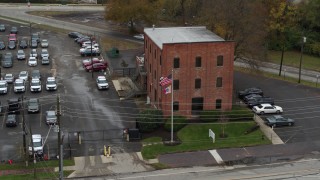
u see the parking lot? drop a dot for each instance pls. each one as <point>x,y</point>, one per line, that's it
<point>97,115</point>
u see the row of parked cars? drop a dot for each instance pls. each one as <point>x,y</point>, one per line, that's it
<point>88,44</point>
<point>260,104</point>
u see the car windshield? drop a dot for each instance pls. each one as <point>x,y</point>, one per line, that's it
<point>34,83</point>
<point>33,103</point>
<point>51,82</point>
<point>18,84</point>
<point>20,53</point>
<point>260,106</point>
<point>37,144</point>
<point>23,75</point>
<point>102,81</point>
<point>51,116</point>
<point>8,77</point>
<point>2,86</point>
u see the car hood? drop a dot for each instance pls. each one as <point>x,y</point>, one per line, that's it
<point>34,107</point>
<point>103,84</point>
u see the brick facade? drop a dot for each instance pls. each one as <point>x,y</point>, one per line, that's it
<point>197,60</point>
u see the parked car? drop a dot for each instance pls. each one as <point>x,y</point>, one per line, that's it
<point>9,78</point>
<point>2,45</point>
<point>33,105</point>
<point>248,91</point>
<point>44,52</point>
<point>19,86</point>
<point>85,61</point>
<point>14,30</point>
<point>12,120</point>
<point>2,28</point>
<point>94,61</point>
<point>267,109</point>
<point>35,74</point>
<point>7,60</point>
<point>88,43</point>
<point>11,45</point>
<point>12,37</point>
<point>278,120</point>
<point>139,36</point>
<point>262,100</point>
<point>33,44</point>
<point>74,34</point>
<point>3,87</point>
<point>89,52</point>
<point>32,61</point>
<point>45,60</point>
<point>21,55</point>
<point>51,118</point>
<point>102,82</point>
<point>34,53</point>
<point>96,67</point>
<point>14,105</point>
<point>44,43</point>
<point>35,85</point>
<point>23,44</point>
<point>24,75</point>
<point>36,37</point>
<point>251,97</point>
<point>51,84</point>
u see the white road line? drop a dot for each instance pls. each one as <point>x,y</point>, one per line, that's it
<point>216,156</point>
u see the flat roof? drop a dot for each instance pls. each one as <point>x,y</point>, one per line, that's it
<point>173,35</point>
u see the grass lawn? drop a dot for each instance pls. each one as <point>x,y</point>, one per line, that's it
<point>54,175</point>
<point>292,58</point>
<point>41,164</point>
<point>195,137</point>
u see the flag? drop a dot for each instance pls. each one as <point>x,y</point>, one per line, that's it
<point>167,90</point>
<point>165,80</point>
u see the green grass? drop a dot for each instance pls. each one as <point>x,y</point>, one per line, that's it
<point>195,137</point>
<point>292,58</point>
<point>152,140</point>
<point>42,164</point>
<point>53,175</point>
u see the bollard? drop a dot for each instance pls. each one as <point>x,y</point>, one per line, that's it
<point>105,150</point>
<point>79,137</point>
<point>109,151</point>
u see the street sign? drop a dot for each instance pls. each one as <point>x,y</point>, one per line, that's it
<point>212,135</point>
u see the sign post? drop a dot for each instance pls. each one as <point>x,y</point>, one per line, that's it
<point>212,135</point>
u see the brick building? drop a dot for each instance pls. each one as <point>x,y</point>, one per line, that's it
<point>201,64</point>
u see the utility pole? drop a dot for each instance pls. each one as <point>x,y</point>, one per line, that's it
<point>304,40</point>
<point>24,132</point>
<point>58,112</point>
<point>33,154</point>
<point>91,58</point>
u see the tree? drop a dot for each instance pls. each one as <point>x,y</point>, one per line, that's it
<point>132,11</point>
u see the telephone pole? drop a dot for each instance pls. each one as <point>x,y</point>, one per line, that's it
<point>24,132</point>
<point>60,153</point>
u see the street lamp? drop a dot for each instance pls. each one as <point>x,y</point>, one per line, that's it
<point>304,40</point>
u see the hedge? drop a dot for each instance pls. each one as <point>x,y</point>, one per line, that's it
<point>178,123</point>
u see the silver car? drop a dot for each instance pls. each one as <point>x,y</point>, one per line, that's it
<point>21,55</point>
<point>9,78</point>
<point>24,75</point>
<point>51,117</point>
<point>44,43</point>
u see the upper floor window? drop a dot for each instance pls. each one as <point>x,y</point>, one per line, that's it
<point>219,82</point>
<point>197,83</point>
<point>198,61</point>
<point>220,60</point>
<point>175,84</point>
<point>176,62</point>
<point>175,106</point>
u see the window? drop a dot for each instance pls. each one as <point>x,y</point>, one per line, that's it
<point>150,48</point>
<point>176,62</point>
<point>198,61</point>
<point>155,53</point>
<point>197,84</point>
<point>150,68</point>
<point>146,44</point>
<point>219,82</point>
<point>155,75</point>
<point>175,106</point>
<point>218,103</point>
<point>175,84</point>
<point>150,88</point>
<point>160,60</point>
<point>220,61</point>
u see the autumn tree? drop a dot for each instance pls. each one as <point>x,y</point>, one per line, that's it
<point>131,11</point>
<point>241,21</point>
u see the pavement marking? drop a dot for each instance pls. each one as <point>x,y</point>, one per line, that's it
<point>92,160</point>
<point>40,113</point>
<point>216,156</point>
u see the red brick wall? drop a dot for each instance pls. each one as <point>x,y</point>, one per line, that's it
<point>187,73</point>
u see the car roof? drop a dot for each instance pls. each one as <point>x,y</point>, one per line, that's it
<point>35,80</point>
<point>266,104</point>
<point>51,112</point>
<point>23,72</point>
<point>8,75</point>
<point>3,82</point>
<point>101,77</point>
<point>19,80</point>
<point>36,136</point>
<point>33,100</point>
<point>51,78</point>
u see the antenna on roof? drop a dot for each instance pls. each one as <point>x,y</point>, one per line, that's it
<point>153,27</point>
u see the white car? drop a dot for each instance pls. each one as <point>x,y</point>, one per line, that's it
<point>51,84</point>
<point>32,61</point>
<point>35,85</point>
<point>88,44</point>
<point>139,36</point>
<point>19,86</point>
<point>21,55</point>
<point>85,61</point>
<point>24,75</point>
<point>44,53</point>
<point>44,43</point>
<point>3,87</point>
<point>267,109</point>
<point>102,82</point>
<point>88,48</point>
<point>34,53</point>
<point>38,145</point>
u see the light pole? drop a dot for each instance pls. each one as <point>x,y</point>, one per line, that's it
<point>304,40</point>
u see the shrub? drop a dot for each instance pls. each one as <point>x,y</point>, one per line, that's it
<point>210,116</point>
<point>149,120</point>
<point>178,123</point>
<point>239,113</point>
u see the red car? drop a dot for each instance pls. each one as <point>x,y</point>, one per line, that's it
<point>13,37</point>
<point>96,67</point>
<point>94,61</point>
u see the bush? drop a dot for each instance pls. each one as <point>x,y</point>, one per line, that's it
<point>149,120</point>
<point>210,116</point>
<point>239,113</point>
<point>178,123</point>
